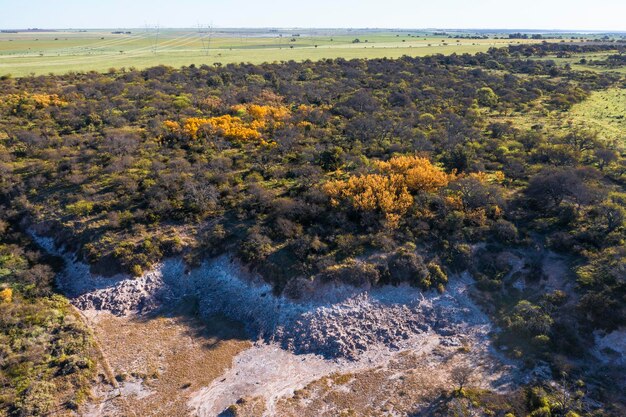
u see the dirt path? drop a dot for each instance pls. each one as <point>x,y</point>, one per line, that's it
<point>102,359</point>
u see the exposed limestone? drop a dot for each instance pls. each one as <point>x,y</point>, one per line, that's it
<point>340,322</point>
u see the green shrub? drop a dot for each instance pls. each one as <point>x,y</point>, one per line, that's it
<point>541,340</point>
<point>80,208</point>
<point>437,274</point>
<point>542,412</point>
<point>486,97</point>
<point>37,399</point>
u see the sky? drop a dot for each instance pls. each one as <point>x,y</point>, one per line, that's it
<point>606,15</point>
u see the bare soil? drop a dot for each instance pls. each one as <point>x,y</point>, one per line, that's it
<point>160,360</point>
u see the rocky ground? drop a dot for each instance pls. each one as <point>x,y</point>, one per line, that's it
<point>399,334</point>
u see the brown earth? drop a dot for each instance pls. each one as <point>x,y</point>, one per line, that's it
<point>160,360</point>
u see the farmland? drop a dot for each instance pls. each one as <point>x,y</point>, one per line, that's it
<point>58,52</point>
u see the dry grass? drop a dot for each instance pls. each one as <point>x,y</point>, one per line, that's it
<point>407,384</point>
<point>169,356</point>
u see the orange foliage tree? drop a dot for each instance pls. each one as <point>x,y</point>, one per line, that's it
<point>26,103</point>
<point>227,126</point>
<point>6,295</point>
<point>419,173</point>
<point>386,194</point>
<point>389,191</point>
<point>249,123</point>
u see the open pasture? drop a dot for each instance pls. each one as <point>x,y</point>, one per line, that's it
<point>25,53</point>
<point>605,112</point>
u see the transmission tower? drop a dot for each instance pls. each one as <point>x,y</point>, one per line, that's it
<point>206,36</point>
<point>156,40</point>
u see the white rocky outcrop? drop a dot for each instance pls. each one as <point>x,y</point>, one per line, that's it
<point>337,322</point>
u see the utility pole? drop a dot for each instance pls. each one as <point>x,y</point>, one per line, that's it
<point>201,36</point>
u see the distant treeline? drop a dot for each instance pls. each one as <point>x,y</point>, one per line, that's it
<point>563,49</point>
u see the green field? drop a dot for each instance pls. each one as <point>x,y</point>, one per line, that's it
<point>605,112</point>
<point>58,52</point>
<point>574,61</point>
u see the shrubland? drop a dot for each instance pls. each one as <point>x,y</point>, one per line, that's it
<point>364,172</point>
<point>46,353</point>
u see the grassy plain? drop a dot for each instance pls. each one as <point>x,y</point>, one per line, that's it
<point>605,112</point>
<point>25,53</point>
<point>574,62</point>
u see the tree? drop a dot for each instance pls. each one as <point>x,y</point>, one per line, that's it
<point>256,247</point>
<point>374,193</point>
<point>549,187</point>
<point>407,266</point>
<point>603,283</point>
<point>6,295</point>
<point>612,216</point>
<point>331,159</point>
<point>476,192</point>
<point>459,157</point>
<point>529,319</point>
<point>605,157</point>
<point>487,97</point>
<point>419,173</point>
<point>462,375</point>
<point>581,140</point>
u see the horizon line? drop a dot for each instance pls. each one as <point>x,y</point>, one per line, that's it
<point>535,30</point>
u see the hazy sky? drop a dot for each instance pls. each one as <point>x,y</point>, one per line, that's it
<point>531,14</point>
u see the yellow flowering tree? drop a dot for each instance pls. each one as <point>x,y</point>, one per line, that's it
<point>419,173</point>
<point>6,295</point>
<point>374,193</point>
<point>247,123</point>
<point>388,191</point>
